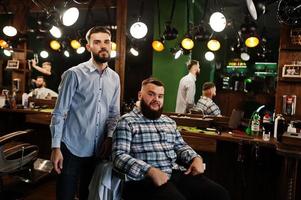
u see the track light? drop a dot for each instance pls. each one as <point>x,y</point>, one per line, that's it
<point>75,44</point>
<point>55,45</point>
<point>209,56</point>
<point>9,31</point>
<point>44,54</point>
<point>244,56</point>
<point>3,44</point>
<point>80,50</point>
<point>158,45</point>
<point>217,21</point>
<point>170,33</point>
<point>187,43</point>
<point>7,52</point>
<point>134,51</point>
<point>66,53</point>
<point>55,32</point>
<point>70,16</point>
<point>113,46</point>
<point>252,41</point>
<point>213,45</point>
<point>138,30</point>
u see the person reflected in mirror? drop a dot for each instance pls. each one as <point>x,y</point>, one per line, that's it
<point>146,146</point>
<point>186,89</point>
<point>84,117</point>
<point>40,91</point>
<point>205,103</point>
<point>45,69</point>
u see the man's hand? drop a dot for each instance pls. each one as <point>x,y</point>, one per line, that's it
<point>159,177</point>
<point>196,167</point>
<point>57,160</point>
<point>106,148</point>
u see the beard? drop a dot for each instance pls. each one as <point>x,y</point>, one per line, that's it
<point>100,59</point>
<point>148,112</point>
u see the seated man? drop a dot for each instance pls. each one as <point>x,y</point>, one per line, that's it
<point>41,92</point>
<point>205,103</point>
<point>146,145</point>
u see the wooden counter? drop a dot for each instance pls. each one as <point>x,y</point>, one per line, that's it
<point>36,116</point>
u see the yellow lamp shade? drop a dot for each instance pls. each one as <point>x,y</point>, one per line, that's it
<point>75,44</point>
<point>252,42</point>
<point>114,46</point>
<point>213,45</point>
<point>3,44</point>
<point>158,45</point>
<point>55,45</point>
<point>187,43</point>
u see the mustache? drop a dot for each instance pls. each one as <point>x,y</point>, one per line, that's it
<point>103,50</point>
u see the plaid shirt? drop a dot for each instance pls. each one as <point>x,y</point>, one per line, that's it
<point>140,143</point>
<point>207,106</point>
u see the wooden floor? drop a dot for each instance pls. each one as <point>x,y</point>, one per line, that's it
<point>15,189</point>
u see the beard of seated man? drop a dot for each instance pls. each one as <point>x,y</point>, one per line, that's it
<point>148,112</point>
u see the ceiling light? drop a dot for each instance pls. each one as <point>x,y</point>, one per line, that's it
<point>70,16</point>
<point>209,56</point>
<point>9,31</point>
<point>187,43</point>
<point>245,56</point>
<point>134,51</point>
<point>80,50</point>
<point>55,45</point>
<point>158,45</point>
<point>7,52</point>
<point>213,45</point>
<point>75,44</point>
<point>252,41</point>
<point>44,54</point>
<point>55,32</point>
<point>138,30</point>
<point>217,22</point>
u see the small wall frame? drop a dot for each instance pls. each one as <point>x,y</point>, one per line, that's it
<point>291,71</point>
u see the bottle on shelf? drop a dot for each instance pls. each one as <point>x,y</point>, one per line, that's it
<point>255,124</point>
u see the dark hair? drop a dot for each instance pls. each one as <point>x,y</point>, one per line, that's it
<point>41,77</point>
<point>208,85</point>
<point>153,81</point>
<point>96,29</point>
<point>191,63</point>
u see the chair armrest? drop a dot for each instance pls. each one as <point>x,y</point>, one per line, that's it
<point>10,136</point>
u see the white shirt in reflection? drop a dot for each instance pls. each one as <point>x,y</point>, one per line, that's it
<point>43,93</point>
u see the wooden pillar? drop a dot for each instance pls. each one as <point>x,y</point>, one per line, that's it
<point>121,42</point>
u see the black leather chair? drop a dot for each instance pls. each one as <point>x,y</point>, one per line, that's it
<point>15,156</point>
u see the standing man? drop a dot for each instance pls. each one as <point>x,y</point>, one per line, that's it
<point>205,103</point>
<point>146,145</point>
<point>186,90</point>
<point>84,117</point>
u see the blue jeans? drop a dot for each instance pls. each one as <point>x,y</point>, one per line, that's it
<point>76,170</point>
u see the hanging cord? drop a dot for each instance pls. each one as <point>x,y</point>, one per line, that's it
<point>141,10</point>
<point>158,8</point>
<point>188,10</point>
<point>172,11</point>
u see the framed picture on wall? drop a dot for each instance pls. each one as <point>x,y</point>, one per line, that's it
<point>291,71</point>
<point>12,64</point>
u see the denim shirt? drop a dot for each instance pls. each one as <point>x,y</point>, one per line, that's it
<point>87,109</point>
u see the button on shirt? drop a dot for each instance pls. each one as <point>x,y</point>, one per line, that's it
<point>207,106</point>
<point>186,92</point>
<point>87,108</point>
<point>139,143</point>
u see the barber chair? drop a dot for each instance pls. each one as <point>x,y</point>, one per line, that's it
<point>16,156</point>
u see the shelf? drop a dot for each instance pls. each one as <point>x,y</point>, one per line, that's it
<point>285,79</point>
